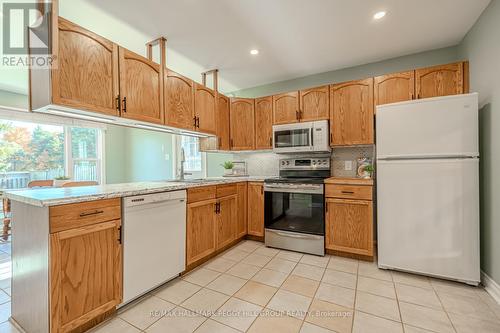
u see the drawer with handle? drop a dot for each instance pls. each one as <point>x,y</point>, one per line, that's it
<point>81,214</point>
<point>349,192</point>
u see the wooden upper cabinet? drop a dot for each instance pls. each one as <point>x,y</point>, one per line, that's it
<point>396,87</point>
<point>349,226</point>
<point>204,109</point>
<point>200,230</point>
<point>286,108</point>
<point>223,122</point>
<point>85,274</point>
<point>179,101</point>
<point>226,220</point>
<point>315,104</point>
<point>351,120</point>
<point>141,82</point>
<point>85,73</point>
<point>264,123</point>
<point>241,117</point>
<point>256,209</point>
<point>440,80</point>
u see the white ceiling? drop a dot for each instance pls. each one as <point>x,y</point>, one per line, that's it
<point>295,37</point>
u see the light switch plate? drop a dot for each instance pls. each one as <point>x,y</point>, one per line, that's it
<point>348,165</point>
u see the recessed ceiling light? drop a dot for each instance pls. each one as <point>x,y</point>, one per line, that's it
<point>379,15</point>
<point>254,52</point>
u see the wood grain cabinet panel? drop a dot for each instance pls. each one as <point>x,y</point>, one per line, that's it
<point>256,209</point>
<point>85,274</point>
<point>141,88</point>
<point>85,73</point>
<point>315,104</point>
<point>396,87</point>
<point>201,230</point>
<point>179,101</point>
<point>223,125</point>
<point>440,80</point>
<point>204,109</point>
<point>349,226</point>
<point>264,123</point>
<point>286,108</point>
<point>226,220</point>
<point>241,223</point>
<point>242,123</point>
<point>351,115</point>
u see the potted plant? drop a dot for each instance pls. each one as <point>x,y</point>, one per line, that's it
<point>228,168</point>
<point>59,181</point>
<point>369,169</point>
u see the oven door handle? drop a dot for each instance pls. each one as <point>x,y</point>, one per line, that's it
<point>305,236</point>
<point>276,189</point>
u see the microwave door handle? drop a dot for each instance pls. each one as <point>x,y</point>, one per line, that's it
<point>312,137</point>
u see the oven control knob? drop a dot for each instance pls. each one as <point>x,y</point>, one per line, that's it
<point>287,162</point>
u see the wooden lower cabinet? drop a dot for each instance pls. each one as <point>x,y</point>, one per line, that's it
<point>349,226</point>
<point>201,232</point>
<point>256,209</point>
<point>226,220</point>
<point>241,220</point>
<point>85,274</point>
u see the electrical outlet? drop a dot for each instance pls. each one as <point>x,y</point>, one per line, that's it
<point>167,157</point>
<point>348,165</point>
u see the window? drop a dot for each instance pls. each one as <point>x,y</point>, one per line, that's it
<point>195,163</point>
<point>37,151</point>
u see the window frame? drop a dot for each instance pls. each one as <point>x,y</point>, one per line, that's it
<point>177,145</point>
<point>15,114</point>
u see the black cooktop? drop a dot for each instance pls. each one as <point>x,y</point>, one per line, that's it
<point>295,180</point>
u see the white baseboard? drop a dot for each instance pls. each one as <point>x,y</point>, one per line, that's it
<point>491,286</point>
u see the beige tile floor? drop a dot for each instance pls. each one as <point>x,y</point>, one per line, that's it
<point>251,288</point>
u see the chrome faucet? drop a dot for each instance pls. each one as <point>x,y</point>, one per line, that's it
<point>181,171</point>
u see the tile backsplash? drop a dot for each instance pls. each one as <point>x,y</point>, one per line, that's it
<point>266,163</point>
<point>342,155</point>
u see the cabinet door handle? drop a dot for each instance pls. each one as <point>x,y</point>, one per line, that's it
<point>119,235</point>
<point>94,212</point>
<point>117,103</point>
<point>231,143</point>
<point>198,122</point>
<point>297,114</point>
<point>220,142</point>
<point>194,119</point>
<point>271,142</point>
<point>124,108</point>
<point>347,192</point>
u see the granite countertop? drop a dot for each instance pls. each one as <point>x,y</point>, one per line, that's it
<point>52,196</point>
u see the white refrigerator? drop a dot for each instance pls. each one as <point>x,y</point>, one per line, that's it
<point>428,187</point>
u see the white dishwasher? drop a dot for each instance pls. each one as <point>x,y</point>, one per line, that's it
<point>154,241</point>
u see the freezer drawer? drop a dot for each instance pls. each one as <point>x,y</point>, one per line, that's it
<point>428,217</point>
<point>432,127</point>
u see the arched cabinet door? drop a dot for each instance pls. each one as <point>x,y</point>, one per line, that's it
<point>286,108</point>
<point>315,104</point>
<point>440,80</point>
<point>223,124</point>
<point>141,90</point>
<point>264,123</point>
<point>85,70</point>
<point>179,101</point>
<point>352,113</point>
<point>392,88</point>
<point>242,124</point>
<point>204,109</point>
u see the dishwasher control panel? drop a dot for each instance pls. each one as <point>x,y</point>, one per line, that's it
<point>152,198</point>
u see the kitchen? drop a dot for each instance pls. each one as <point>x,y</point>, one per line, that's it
<point>253,207</point>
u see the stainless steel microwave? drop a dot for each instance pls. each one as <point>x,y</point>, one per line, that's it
<point>310,136</point>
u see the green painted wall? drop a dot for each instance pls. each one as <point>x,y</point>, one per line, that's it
<point>115,155</point>
<point>14,100</point>
<point>149,155</point>
<point>423,59</point>
<point>482,47</point>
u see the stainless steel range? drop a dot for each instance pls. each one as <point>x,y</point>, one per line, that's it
<point>294,214</point>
